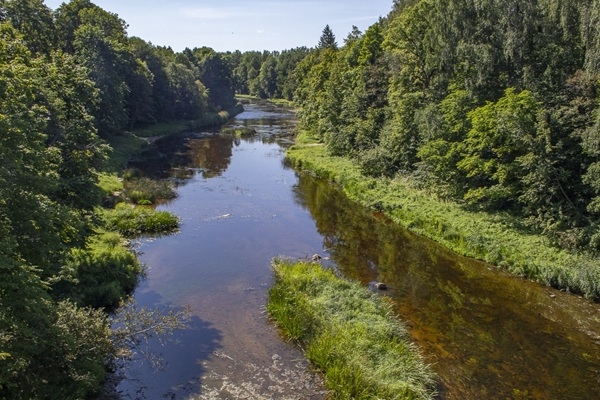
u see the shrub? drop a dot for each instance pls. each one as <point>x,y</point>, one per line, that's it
<point>100,275</point>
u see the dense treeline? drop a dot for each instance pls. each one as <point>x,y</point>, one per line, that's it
<point>491,103</point>
<point>268,75</point>
<point>69,79</point>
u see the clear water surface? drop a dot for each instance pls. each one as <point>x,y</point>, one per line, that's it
<point>486,334</point>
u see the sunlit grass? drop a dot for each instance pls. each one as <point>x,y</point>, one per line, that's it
<point>132,221</point>
<point>494,238</point>
<point>349,333</point>
<point>109,183</point>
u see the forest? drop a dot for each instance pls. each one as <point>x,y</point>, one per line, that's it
<point>492,104</point>
<point>489,104</point>
<point>72,83</point>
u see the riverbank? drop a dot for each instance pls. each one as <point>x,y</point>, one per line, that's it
<point>131,143</point>
<point>494,238</point>
<point>350,334</point>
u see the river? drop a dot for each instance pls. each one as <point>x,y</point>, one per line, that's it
<point>487,335</point>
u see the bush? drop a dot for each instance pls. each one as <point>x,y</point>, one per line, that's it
<point>101,275</point>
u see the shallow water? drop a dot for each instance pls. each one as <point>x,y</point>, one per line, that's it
<point>487,335</point>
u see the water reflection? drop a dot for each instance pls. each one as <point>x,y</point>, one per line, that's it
<point>489,335</point>
<point>237,212</point>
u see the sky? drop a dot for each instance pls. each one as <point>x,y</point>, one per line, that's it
<point>228,25</point>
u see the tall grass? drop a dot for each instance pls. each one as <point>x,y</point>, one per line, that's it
<point>133,221</point>
<point>146,191</point>
<point>349,333</point>
<point>494,238</point>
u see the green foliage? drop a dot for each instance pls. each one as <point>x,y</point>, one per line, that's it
<point>134,221</point>
<point>490,102</point>
<point>69,80</point>
<point>215,75</point>
<point>327,39</point>
<point>146,190</point>
<point>349,333</point>
<point>161,129</point>
<point>498,137</point>
<point>100,275</point>
<point>109,183</point>
<point>35,333</point>
<point>124,147</point>
<point>33,19</point>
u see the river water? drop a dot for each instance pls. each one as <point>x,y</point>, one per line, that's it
<point>487,335</point>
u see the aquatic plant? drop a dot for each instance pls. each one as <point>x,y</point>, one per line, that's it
<point>148,191</point>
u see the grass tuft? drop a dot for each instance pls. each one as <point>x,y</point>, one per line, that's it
<point>349,333</point>
<point>133,221</point>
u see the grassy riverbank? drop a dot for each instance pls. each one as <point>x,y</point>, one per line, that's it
<point>494,238</point>
<point>348,333</point>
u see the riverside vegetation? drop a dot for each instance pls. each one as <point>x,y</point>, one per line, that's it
<point>473,122</point>
<point>489,107</point>
<point>494,238</point>
<point>77,93</point>
<point>348,333</point>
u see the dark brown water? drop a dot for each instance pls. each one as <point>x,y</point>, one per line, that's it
<point>488,335</point>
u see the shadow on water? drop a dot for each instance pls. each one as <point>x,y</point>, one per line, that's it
<point>487,334</point>
<point>237,212</point>
<point>168,367</point>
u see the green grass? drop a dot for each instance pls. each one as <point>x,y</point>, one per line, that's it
<point>493,238</point>
<point>349,333</point>
<point>109,183</point>
<point>133,221</point>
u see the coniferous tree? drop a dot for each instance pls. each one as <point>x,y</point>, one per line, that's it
<point>327,39</point>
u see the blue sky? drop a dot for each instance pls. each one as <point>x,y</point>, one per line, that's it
<point>242,25</point>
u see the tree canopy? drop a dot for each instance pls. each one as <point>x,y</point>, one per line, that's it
<point>71,78</point>
<point>491,103</point>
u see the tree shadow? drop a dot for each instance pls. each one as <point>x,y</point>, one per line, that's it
<point>169,367</point>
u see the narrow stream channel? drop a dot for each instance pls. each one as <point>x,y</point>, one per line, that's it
<point>487,335</point>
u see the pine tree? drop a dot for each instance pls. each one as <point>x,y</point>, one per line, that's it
<point>327,39</point>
